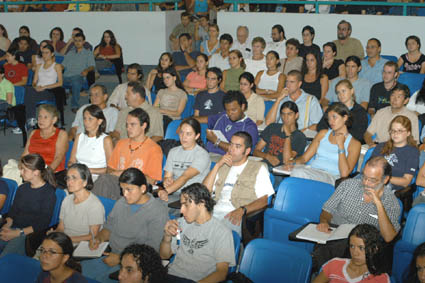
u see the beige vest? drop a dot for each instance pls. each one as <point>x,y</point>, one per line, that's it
<point>243,192</point>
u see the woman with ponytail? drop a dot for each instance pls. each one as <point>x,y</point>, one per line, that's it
<point>186,164</point>
<point>32,208</point>
<point>57,262</point>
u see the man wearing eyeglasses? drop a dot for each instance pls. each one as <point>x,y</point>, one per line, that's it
<point>345,44</point>
<point>365,200</point>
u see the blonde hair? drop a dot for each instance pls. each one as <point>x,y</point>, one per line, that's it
<point>349,85</point>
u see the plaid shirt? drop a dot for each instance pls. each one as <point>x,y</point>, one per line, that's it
<point>347,206</point>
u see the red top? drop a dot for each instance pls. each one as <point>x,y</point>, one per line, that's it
<point>46,148</point>
<point>107,50</point>
<point>14,74</point>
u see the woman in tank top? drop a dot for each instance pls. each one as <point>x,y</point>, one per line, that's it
<point>49,141</point>
<point>37,59</point>
<point>413,61</point>
<point>333,152</point>
<point>332,67</point>
<point>109,53</point>
<point>196,81</point>
<point>231,76</point>
<point>270,82</point>
<point>93,147</point>
<point>212,44</point>
<point>47,85</point>
<point>314,81</point>
<point>155,82</point>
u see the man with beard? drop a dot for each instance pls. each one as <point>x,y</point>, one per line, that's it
<point>278,43</point>
<point>347,45</point>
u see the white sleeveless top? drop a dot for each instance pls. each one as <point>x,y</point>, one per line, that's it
<point>269,82</point>
<point>90,151</point>
<point>47,76</point>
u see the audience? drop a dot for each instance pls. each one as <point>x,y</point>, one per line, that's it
<point>57,262</point>
<point>220,59</point>
<point>109,53</point>
<point>210,102</point>
<point>373,65</point>
<point>48,140</point>
<point>56,39</point>
<point>243,43</point>
<point>417,266</point>
<point>345,44</point>
<point>196,81</point>
<point>4,39</point>
<point>24,31</point>
<point>71,44</point>
<point>201,30</point>
<point>314,81</point>
<point>256,107</point>
<point>416,101</point>
<point>92,147</point>
<point>270,82</point>
<point>332,67</point>
<point>308,34</point>
<point>257,61</point>
<point>231,75</point>
<point>211,45</point>
<point>278,43</point>
<point>185,27</point>
<point>25,53</point>
<point>203,246</point>
<point>292,60</point>
<point>7,93</point>
<point>155,81</point>
<point>413,61</point>
<point>32,208</point>
<point>15,72</point>
<point>185,58</point>
<point>37,58</point>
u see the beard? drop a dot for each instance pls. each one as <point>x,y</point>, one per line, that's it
<point>342,37</point>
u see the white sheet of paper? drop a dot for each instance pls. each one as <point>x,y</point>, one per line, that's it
<point>83,250</point>
<point>219,135</point>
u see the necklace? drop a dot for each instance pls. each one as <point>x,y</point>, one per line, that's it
<point>137,147</point>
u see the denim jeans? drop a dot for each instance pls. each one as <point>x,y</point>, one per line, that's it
<point>14,246</point>
<point>98,270</point>
<point>76,83</point>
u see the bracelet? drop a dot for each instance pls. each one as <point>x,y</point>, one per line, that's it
<point>341,151</point>
<point>217,143</point>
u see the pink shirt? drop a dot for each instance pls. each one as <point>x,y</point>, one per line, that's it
<point>336,271</point>
<point>196,80</point>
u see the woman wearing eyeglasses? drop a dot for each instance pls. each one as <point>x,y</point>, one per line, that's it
<point>81,213</point>
<point>400,152</point>
<point>57,262</point>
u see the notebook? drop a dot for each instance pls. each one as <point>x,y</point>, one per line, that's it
<point>310,233</point>
<point>83,250</point>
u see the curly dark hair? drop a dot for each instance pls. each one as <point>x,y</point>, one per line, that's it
<point>198,193</point>
<point>412,277</point>
<point>373,247</point>
<point>148,262</point>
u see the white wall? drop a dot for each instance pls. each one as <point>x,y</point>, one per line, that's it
<point>142,35</point>
<point>390,30</point>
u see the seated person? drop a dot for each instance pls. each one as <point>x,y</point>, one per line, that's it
<point>401,152</point>
<point>345,92</point>
<point>4,39</point>
<point>229,122</point>
<point>231,75</point>
<point>46,85</point>
<point>256,107</point>
<point>137,218</point>
<point>241,186</point>
<point>381,121</point>
<point>93,147</point>
<point>417,265</point>
<point>82,214</point>
<point>15,72</point>
<point>155,82</point>
<point>332,67</point>
<point>71,42</point>
<point>141,263</point>
<point>4,189</point>
<point>212,44</point>
<point>365,262</point>
<point>136,98</point>
<point>56,39</point>
<point>185,26</point>
<point>48,140</point>
<point>361,85</point>
<point>333,152</point>
<point>108,53</point>
<point>25,53</point>
<point>373,65</point>
<point>380,93</point>
<point>308,34</point>
<point>213,253</point>
<point>281,143</point>
<point>184,59</point>
<point>417,101</point>
<point>98,97</point>
<point>308,105</point>
<point>221,58</point>
<point>138,151</point>
<point>210,101</point>
<point>269,83</point>
<point>56,260</point>
<point>78,62</point>
<point>24,31</point>
<point>117,98</point>
<point>413,61</point>
<point>315,82</point>
<point>258,60</point>
<point>32,207</point>
<point>195,81</point>
<point>37,58</point>
<point>292,60</point>
<point>186,164</point>
<point>171,101</point>
<point>355,201</point>
<point>7,93</point>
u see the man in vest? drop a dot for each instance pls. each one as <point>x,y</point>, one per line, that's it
<point>241,186</point>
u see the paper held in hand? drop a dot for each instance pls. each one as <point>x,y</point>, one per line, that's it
<point>83,250</point>
<point>310,233</point>
<point>219,135</point>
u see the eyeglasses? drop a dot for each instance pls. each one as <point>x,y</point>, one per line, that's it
<point>369,180</point>
<point>397,132</point>
<point>48,252</point>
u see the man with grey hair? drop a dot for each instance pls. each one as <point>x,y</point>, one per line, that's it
<point>243,43</point>
<point>345,44</point>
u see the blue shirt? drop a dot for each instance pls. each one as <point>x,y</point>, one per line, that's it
<point>76,62</point>
<point>361,90</point>
<point>373,74</point>
<point>221,122</point>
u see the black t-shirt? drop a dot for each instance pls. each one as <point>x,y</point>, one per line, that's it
<point>275,137</point>
<point>380,96</point>
<point>333,71</point>
<point>25,56</point>
<point>209,103</point>
<point>305,49</point>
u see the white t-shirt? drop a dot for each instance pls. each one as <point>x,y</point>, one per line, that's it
<point>218,61</point>
<point>110,113</point>
<point>243,48</point>
<point>412,106</point>
<point>279,47</point>
<point>263,186</point>
<point>254,66</point>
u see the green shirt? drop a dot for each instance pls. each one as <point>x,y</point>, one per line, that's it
<point>5,88</point>
<point>232,79</point>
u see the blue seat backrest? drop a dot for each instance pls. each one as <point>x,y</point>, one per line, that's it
<point>414,230</point>
<point>18,268</point>
<point>366,157</point>
<point>188,109</point>
<point>268,105</point>
<point>59,59</point>
<point>19,94</point>
<point>108,204</point>
<point>390,58</point>
<point>204,128</point>
<point>412,80</point>
<point>237,246</point>
<point>60,195</point>
<point>30,77</point>
<point>171,130</point>
<point>68,153</point>
<point>268,261</point>
<point>13,186</point>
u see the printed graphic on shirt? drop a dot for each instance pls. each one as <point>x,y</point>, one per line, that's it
<point>276,145</point>
<point>392,159</point>
<point>208,104</point>
<point>194,244</point>
<point>228,128</point>
<point>181,165</point>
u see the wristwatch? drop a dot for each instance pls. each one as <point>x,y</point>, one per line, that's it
<point>21,232</point>
<point>341,151</point>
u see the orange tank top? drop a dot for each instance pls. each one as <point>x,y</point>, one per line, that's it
<point>46,148</point>
<point>107,50</point>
